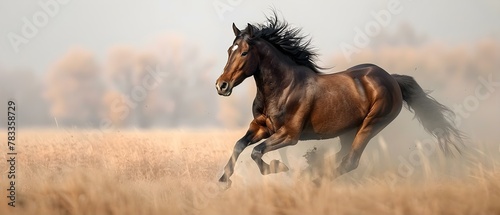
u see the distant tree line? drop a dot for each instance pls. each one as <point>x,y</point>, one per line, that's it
<point>171,85</point>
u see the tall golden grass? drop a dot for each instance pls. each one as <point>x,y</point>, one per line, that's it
<point>175,172</point>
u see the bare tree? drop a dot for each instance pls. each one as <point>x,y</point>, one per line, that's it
<point>180,96</point>
<point>74,89</point>
<point>183,98</point>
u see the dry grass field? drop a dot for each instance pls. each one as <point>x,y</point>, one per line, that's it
<point>174,172</point>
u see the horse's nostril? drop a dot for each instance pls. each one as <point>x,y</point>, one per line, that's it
<point>224,86</point>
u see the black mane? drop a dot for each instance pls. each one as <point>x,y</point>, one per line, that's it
<point>288,40</point>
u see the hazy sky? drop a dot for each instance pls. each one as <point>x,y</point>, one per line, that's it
<point>98,25</point>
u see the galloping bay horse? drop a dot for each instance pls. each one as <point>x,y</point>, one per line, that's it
<point>295,101</point>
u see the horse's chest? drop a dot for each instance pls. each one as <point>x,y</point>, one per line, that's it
<point>275,117</point>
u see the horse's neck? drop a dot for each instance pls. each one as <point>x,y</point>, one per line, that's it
<point>275,72</point>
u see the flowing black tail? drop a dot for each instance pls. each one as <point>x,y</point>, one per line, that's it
<point>436,118</point>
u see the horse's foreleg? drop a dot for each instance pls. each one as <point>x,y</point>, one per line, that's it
<point>276,141</point>
<point>287,135</point>
<point>254,134</point>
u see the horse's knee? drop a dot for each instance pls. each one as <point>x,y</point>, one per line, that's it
<point>256,154</point>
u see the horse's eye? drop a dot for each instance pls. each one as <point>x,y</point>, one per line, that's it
<point>244,53</point>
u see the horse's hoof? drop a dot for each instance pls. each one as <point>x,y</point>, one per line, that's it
<point>277,166</point>
<point>225,183</point>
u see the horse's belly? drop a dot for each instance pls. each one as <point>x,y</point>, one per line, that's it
<point>331,122</point>
<point>331,130</point>
<point>309,135</point>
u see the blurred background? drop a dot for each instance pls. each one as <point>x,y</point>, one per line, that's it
<point>153,64</point>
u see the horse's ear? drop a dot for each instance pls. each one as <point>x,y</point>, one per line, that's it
<point>249,30</point>
<point>236,30</point>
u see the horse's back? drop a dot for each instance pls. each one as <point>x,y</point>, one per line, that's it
<point>370,71</point>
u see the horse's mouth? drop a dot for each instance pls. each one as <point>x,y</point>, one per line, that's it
<point>226,93</point>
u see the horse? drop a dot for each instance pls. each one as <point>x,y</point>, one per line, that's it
<point>296,101</point>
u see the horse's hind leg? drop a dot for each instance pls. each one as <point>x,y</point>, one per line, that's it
<point>371,126</point>
<point>346,140</point>
<point>351,160</point>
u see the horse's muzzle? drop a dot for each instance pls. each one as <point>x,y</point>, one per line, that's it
<point>223,88</point>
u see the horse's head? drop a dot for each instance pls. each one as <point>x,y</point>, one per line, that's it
<point>242,61</point>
